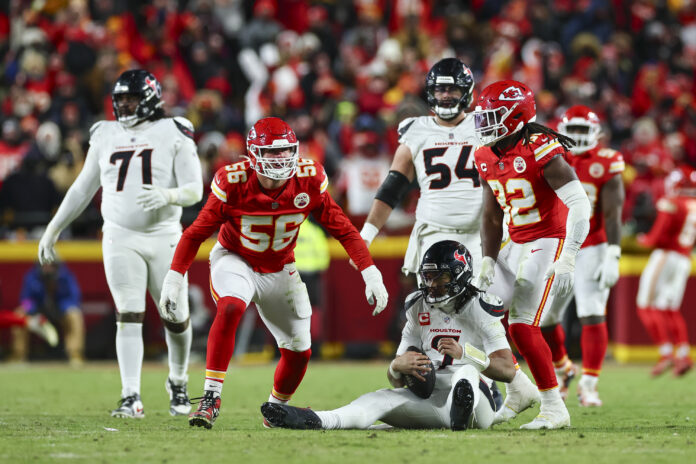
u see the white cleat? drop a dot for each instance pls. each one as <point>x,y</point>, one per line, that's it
<point>129,407</point>
<point>517,401</point>
<point>587,396</point>
<point>40,326</point>
<point>179,404</point>
<point>550,418</point>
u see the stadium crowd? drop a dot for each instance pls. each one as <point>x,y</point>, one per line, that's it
<point>342,73</point>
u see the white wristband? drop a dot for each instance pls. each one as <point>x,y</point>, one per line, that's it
<point>369,232</point>
<point>393,373</point>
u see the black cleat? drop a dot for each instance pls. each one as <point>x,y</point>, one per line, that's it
<point>208,410</point>
<point>290,417</point>
<point>462,405</point>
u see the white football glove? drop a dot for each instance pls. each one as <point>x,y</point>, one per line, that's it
<point>564,270</point>
<point>608,271</point>
<point>375,291</point>
<point>486,274</point>
<point>47,252</point>
<point>153,197</point>
<point>170,294</point>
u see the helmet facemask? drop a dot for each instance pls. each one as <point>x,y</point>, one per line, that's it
<point>490,124</point>
<point>267,162</point>
<point>450,107</point>
<point>440,288</point>
<point>584,134</point>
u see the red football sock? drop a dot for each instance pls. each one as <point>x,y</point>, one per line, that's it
<point>677,327</point>
<point>594,341</point>
<point>11,318</point>
<point>555,338</point>
<point>654,324</point>
<point>289,372</point>
<point>536,352</point>
<point>221,336</point>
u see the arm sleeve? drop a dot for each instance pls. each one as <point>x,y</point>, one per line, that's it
<point>79,195</point>
<point>578,222</point>
<point>207,222</point>
<point>189,179</point>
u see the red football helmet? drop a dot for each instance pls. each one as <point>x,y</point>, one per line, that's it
<point>681,181</point>
<point>269,136</point>
<point>503,108</point>
<point>582,125</point>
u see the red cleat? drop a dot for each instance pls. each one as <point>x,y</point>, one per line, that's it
<point>663,365</point>
<point>682,366</point>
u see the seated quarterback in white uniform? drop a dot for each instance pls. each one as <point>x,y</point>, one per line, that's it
<point>453,332</point>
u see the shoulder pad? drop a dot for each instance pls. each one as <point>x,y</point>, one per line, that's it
<point>184,126</point>
<point>412,299</point>
<point>95,127</point>
<point>492,304</point>
<point>405,125</point>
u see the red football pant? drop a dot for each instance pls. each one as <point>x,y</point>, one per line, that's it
<point>555,338</point>
<point>655,324</point>
<point>221,336</point>
<point>594,341</point>
<point>677,327</point>
<point>289,372</point>
<point>534,349</point>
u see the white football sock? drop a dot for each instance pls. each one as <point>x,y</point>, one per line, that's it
<point>273,399</point>
<point>129,351</point>
<point>329,420</point>
<point>589,381</point>
<point>683,350</point>
<point>179,348</point>
<point>550,396</point>
<point>666,349</point>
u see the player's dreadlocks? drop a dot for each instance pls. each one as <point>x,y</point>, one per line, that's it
<point>535,128</point>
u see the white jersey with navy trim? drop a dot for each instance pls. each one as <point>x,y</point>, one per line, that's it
<point>161,153</point>
<point>443,157</point>
<point>425,326</point>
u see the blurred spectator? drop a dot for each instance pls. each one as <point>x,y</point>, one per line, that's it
<point>12,148</point>
<point>362,170</point>
<point>227,63</point>
<point>51,290</point>
<point>28,199</point>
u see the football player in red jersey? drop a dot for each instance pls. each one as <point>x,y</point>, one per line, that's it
<point>663,281</point>
<point>599,170</point>
<point>528,180</point>
<point>260,204</point>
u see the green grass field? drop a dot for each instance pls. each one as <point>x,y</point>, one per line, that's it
<point>51,413</point>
